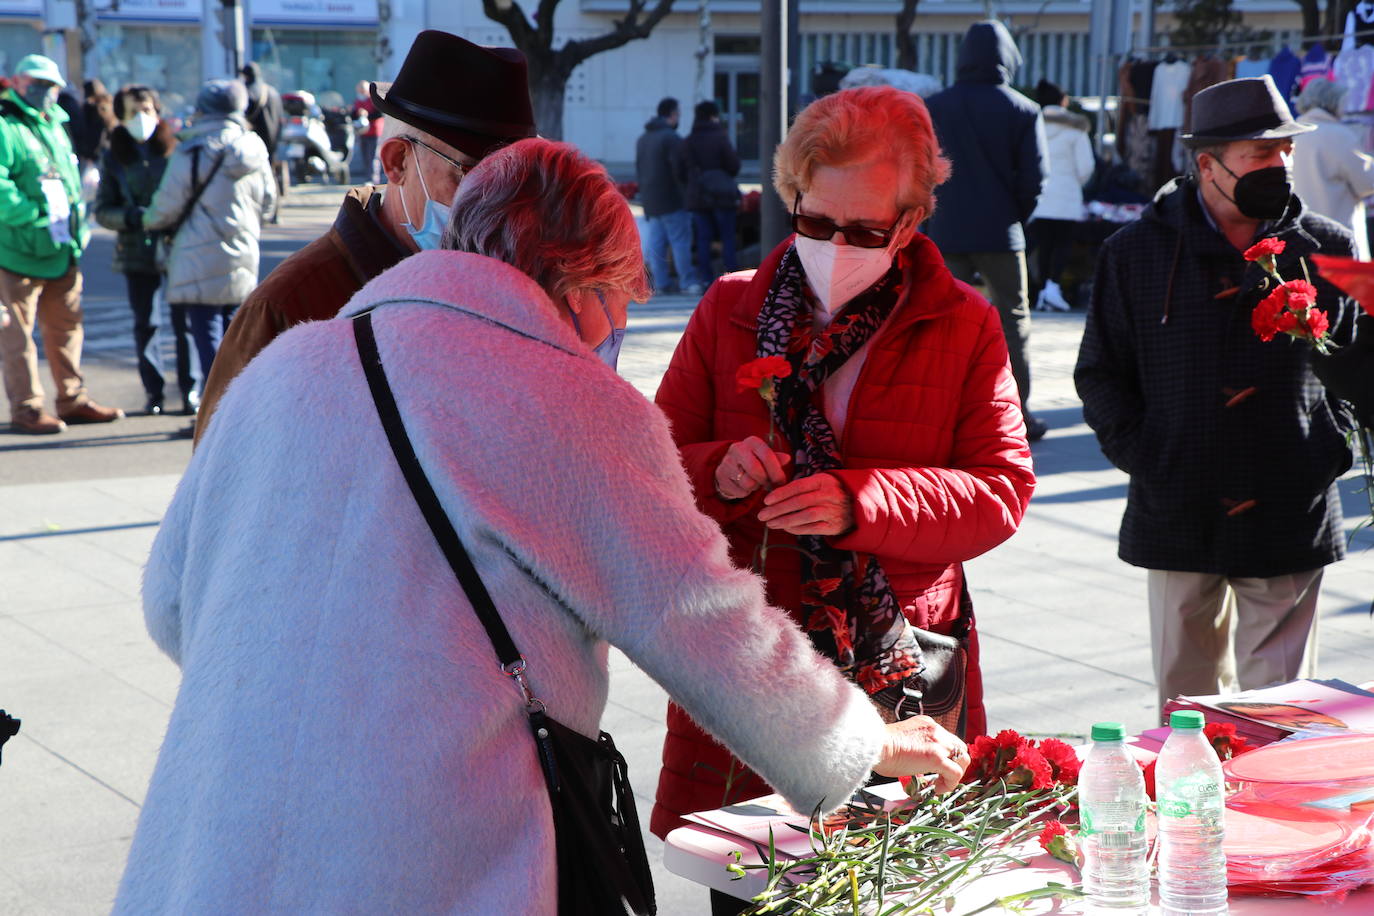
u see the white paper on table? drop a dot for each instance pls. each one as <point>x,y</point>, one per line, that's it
<point>59,210</point>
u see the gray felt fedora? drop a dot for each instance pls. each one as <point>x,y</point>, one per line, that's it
<point>1243,109</point>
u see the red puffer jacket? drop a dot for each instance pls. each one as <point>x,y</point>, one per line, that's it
<point>936,461</point>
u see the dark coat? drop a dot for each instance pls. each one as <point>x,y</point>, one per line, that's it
<point>994,138</point>
<point>265,114</point>
<point>661,168</point>
<point>712,165</point>
<point>129,174</point>
<point>1232,444</point>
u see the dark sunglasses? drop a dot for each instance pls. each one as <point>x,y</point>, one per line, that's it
<point>462,168</point>
<point>823,230</point>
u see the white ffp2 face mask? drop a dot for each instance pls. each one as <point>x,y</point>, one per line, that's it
<point>838,273</point>
<point>141,126</point>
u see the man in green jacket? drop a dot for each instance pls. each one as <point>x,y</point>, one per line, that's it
<point>42,233</point>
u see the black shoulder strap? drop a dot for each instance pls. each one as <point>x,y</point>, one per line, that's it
<point>439,523</point>
<point>197,189</point>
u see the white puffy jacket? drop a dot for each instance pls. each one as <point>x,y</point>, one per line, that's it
<point>214,257</point>
<point>1071,165</point>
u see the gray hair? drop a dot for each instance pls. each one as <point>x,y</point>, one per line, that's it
<point>1216,151</point>
<point>549,211</point>
<point>1321,93</point>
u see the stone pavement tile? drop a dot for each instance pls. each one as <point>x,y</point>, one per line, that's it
<point>107,637</point>
<point>79,881</point>
<point>16,901</point>
<point>96,721</point>
<point>78,557</point>
<point>31,581</point>
<point>67,506</point>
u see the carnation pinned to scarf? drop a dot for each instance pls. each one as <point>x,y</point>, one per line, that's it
<point>1291,308</point>
<point>850,610</point>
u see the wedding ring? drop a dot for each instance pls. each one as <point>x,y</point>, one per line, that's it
<point>738,477</point>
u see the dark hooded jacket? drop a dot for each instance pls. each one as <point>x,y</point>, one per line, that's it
<point>1231,443</point>
<point>661,168</point>
<point>265,113</point>
<point>994,138</point>
<point>129,174</point>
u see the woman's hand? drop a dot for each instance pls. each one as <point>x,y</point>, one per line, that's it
<point>748,465</point>
<point>817,505</point>
<point>919,745</point>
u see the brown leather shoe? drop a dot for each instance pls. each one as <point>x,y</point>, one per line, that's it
<point>36,422</point>
<point>91,412</point>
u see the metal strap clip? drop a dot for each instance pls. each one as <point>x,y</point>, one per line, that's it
<point>516,670</point>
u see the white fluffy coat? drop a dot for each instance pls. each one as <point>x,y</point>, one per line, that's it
<point>343,740</point>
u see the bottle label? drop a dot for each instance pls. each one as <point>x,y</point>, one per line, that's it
<point>1174,807</point>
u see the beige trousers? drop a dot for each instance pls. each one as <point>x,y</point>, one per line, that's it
<point>55,307</point>
<point>1215,634</point>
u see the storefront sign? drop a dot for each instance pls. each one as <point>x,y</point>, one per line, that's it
<point>156,10</point>
<point>30,8</point>
<point>314,12</point>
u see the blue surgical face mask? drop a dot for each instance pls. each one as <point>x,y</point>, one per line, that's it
<point>608,351</point>
<point>429,235</point>
<point>40,96</point>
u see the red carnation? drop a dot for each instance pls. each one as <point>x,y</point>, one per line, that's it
<point>1063,760</point>
<point>1149,774</point>
<point>1265,318</point>
<point>753,374</point>
<point>1058,842</point>
<point>1317,324</point>
<point>1029,769</point>
<point>1300,293</point>
<point>1265,248</point>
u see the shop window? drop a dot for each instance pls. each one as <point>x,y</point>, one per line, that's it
<point>165,57</point>
<point>322,61</point>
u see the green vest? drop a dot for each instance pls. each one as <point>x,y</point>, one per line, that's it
<point>34,147</point>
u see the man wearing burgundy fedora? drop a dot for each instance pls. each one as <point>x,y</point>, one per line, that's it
<point>452,103</point>
<point>1232,445</point>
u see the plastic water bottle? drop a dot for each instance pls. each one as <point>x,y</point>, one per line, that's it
<point>1192,864</point>
<point>1111,803</point>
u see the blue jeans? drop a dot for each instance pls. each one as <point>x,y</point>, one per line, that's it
<point>709,225</point>
<point>208,324</point>
<point>670,230</point>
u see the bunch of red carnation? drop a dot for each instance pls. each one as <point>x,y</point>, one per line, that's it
<point>1292,307</point>
<point>1021,762</point>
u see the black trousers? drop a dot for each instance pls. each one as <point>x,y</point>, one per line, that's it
<point>142,289</point>
<point>1053,240</point>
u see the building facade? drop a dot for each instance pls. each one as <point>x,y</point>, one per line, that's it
<point>327,46</point>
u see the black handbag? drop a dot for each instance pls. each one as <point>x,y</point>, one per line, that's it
<point>602,865</point>
<point>940,689</point>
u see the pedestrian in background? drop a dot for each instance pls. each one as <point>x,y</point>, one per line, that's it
<point>1330,173</point>
<point>1232,446</point>
<point>431,137</point>
<point>98,120</point>
<point>130,172</point>
<point>267,117</point>
<point>995,140</point>
<point>214,194</point>
<point>42,234</point>
<point>1054,224</point>
<point>366,116</point>
<point>661,170</point>
<point>712,195</point>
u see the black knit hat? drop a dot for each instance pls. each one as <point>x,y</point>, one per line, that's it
<point>1047,93</point>
<point>473,98</point>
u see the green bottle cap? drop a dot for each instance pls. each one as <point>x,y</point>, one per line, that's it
<point>1186,719</point>
<point>1109,731</point>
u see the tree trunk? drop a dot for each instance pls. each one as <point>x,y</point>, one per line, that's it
<point>1311,16</point>
<point>906,43</point>
<point>546,94</point>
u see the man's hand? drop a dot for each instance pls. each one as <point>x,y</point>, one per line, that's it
<point>816,505</point>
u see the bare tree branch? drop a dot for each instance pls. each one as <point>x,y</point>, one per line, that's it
<point>510,15</point>
<point>625,31</point>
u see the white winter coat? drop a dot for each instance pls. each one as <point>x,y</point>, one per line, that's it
<point>343,740</point>
<point>1332,176</point>
<point>1071,165</point>
<point>214,257</point>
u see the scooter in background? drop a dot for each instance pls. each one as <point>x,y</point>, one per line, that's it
<point>306,144</point>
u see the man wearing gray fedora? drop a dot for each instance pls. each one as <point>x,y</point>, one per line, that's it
<point>1232,445</point>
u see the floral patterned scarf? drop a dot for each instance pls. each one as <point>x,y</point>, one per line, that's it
<point>852,615</point>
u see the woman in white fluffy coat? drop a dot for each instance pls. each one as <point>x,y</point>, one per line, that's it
<point>343,740</point>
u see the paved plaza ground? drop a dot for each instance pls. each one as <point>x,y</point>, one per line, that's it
<point>1063,621</point>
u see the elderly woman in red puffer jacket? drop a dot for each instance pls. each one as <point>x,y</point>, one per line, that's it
<point>898,447</point>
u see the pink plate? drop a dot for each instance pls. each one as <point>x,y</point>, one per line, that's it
<point>1335,759</point>
<point>1253,835</point>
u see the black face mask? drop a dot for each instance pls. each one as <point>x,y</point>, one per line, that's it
<point>1261,194</point>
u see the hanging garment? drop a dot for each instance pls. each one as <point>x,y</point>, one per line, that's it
<point>1316,64</point>
<point>1359,27</point>
<point>1166,95</point>
<point>1355,70</point>
<point>1284,68</point>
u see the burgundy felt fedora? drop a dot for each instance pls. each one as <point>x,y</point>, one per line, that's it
<point>474,98</point>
